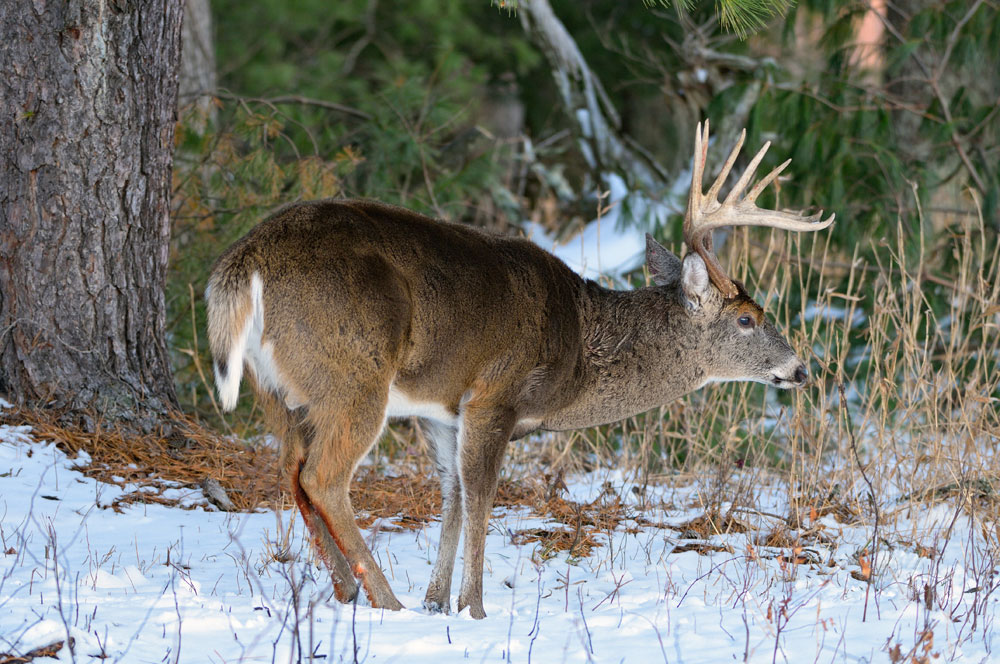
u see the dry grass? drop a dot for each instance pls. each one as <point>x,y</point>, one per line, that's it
<point>179,454</point>
<point>50,651</point>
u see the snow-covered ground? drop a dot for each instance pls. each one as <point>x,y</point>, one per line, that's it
<point>165,584</point>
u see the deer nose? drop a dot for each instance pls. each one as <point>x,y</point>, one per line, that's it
<point>801,374</point>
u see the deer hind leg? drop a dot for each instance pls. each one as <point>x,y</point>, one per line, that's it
<point>341,439</point>
<point>443,437</point>
<point>295,436</point>
<point>345,588</point>
<point>481,448</point>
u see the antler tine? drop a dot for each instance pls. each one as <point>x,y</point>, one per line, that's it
<point>766,180</point>
<point>705,212</point>
<point>713,193</point>
<point>789,221</point>
<point>748,174</point>
<point>695,197</point>
<point>786,221</point>
<point>697,174</point>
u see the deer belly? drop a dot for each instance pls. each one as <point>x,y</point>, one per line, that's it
<point>401,405</point>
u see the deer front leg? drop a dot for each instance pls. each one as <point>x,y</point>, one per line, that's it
<point>444,440</point>
<point>482,444</point>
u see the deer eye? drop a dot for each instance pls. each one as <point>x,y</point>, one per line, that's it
<point>746,322</point>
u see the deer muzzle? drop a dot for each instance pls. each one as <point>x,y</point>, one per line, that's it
<point>797,378</point>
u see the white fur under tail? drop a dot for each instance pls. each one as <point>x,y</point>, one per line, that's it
<point>229,385</point>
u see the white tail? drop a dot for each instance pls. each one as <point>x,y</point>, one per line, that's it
<point>236,320</point>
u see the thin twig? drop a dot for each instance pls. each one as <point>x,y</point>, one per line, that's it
<point>953,38</point>
<point>871,495</point>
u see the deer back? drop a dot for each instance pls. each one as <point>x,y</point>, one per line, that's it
<point>364,291</point>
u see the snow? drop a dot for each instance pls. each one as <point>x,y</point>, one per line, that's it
<point>853,317</point>
<point>607,246</point>
<point>158,583</point>
<point>596,251</point>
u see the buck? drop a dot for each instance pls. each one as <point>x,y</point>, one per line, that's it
<point>348,313</point>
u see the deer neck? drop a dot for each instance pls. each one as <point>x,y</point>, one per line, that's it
<point>640,350</point>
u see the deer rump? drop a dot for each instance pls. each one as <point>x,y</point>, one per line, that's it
<point>329,294</point>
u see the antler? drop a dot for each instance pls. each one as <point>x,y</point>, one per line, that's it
<point>705,213</point>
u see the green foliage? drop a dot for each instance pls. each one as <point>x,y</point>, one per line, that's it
<point>416,77</point>
<point>740,16</point>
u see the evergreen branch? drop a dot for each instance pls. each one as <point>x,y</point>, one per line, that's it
<point>739,16</point>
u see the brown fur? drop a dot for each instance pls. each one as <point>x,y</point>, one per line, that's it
<point>363,303</point>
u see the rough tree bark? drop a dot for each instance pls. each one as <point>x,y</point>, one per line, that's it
<point>87,111</point>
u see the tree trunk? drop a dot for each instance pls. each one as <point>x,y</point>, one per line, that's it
<point>197,75</point>
<point>87,106</point>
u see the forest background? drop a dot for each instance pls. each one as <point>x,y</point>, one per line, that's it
<point>499,116</point>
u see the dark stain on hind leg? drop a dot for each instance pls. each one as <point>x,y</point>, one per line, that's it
<point>342,590</point>
<point>358,569</point>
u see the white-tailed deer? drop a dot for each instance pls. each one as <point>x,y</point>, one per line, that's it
<point>348,313</point>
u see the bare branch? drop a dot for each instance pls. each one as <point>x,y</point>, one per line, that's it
<point>586,101</point>
<point>284,99</point>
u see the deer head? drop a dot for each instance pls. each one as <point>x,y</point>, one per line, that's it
<point>738,341</point>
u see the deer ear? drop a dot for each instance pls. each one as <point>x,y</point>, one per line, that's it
<point>694,281</point>
<point>662,263</point>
